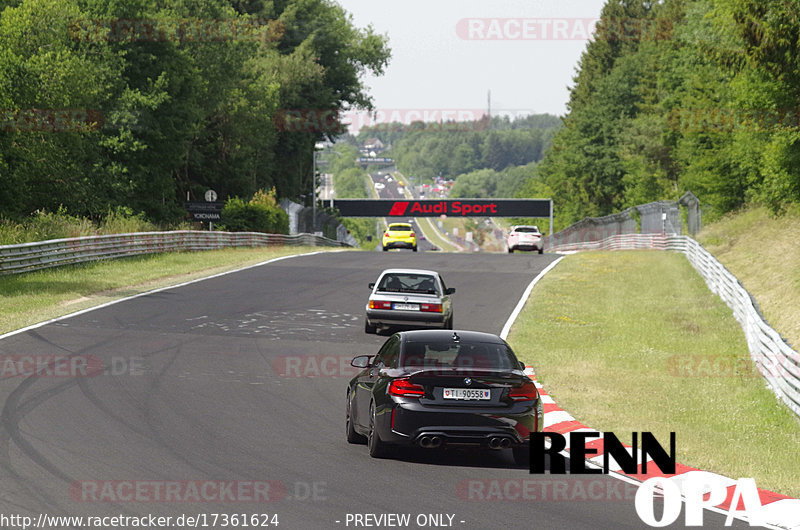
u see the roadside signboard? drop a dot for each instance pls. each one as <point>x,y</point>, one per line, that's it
<point>205,211</point>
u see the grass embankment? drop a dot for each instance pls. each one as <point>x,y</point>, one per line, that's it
<point>44,225</point>
<point>434,236</point>
<point>41,295</point>
<point>635,341</point>
<point>763,252</point>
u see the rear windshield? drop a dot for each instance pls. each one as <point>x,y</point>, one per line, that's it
<point>399,228</point>
<point>527,229</point>
<point>407,283</point>
<point>458,355</point>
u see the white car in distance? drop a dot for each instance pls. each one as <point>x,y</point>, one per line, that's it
<point>525,237</point>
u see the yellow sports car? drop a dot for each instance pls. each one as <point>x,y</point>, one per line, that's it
<point>399,235</point>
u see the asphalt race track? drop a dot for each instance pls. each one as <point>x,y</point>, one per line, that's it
<point>213,382</point>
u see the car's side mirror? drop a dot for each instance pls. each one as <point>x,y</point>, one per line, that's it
<point>521,365</point>
<point>450,290</point>
<point>372,285</point>
<point>362,361</point>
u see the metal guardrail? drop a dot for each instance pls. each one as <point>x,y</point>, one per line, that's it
<point>27,257</point>
<point>654,218</point>
<point>772,354</point>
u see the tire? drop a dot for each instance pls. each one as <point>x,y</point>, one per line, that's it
<point>352,436</point>
<point>385,249</point>
<point>369,329</point>
<point>377,448</point>
<point>449,324</point>
<point>414,248</point>
<point>510,250</point>
<point>522,455</point>
<point>541,249</point>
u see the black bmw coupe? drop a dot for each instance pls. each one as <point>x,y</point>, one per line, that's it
<point>439,389</point>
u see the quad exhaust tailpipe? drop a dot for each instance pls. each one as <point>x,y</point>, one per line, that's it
<point>430,442</point>
<point>499,442</point>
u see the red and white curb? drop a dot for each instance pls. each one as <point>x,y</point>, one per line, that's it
<point>778,511</point>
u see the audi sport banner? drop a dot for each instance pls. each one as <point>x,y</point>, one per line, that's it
<point>449,207</point>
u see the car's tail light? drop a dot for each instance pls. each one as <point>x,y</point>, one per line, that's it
<point>377,304</point>
<point>386,234</point>
<point>405,388</point>
<point>431,308</point>
<point>526,392</point>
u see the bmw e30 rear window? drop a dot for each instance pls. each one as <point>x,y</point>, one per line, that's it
<point>408,283</point>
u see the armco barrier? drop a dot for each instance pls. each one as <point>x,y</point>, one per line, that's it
<point>774,357</point>
<point>53,253</point>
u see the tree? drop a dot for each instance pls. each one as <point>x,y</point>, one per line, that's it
<point>166,114</point>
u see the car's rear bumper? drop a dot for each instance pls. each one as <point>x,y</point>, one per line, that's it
<point>400,244</point>
<point>409,422</point>
<point>405,318</point>
<point>526,246</point>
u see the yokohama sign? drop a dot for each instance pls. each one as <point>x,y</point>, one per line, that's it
<point>450,207</point>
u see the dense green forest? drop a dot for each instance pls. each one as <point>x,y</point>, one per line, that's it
<point>107,105</point>
<point>135,104</point>
<point>487,183</point>
<point>696,95</point>
<point>350,180</point>
<point>448,150</point>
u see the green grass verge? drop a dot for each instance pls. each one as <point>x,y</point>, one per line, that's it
<point>618,340</point>
<point>434,236</point>
<point>762,251</point>
<point>41,295</point>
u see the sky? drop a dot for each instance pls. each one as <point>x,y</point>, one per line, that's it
<point>448,54</point>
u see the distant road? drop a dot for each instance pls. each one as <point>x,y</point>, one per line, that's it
<point>390,191</point>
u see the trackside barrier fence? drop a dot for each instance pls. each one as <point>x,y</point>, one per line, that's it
<point>55,252</point>
<point>774,357</point>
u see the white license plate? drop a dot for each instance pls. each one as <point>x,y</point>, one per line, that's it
<point>406,307</point>
<point>466,393</point>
